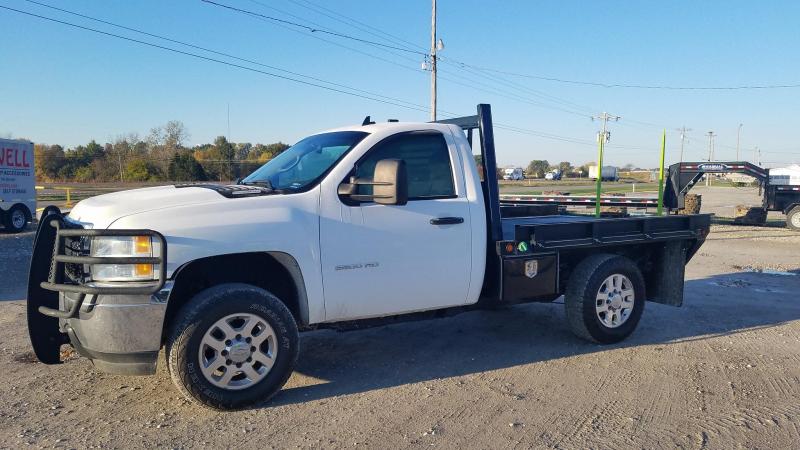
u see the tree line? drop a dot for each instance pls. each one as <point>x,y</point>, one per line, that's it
<point>161,155</point>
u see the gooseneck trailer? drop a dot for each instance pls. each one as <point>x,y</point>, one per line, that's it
<point>353,225</point>
<point>776,196</point>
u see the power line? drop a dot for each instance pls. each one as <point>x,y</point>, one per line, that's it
<point>352,22</point>
<point>369,96</point>
<point>489,89</point>
<point>409,106</point>
<point>639,86</point>
<point>195,55</point>
<point>311,29</point>
<point>227,55</point>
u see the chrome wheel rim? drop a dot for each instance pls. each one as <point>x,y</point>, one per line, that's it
<point>615,300</point>
<point>796,220</point>
<point>18,219</point>
<point>238,351</point>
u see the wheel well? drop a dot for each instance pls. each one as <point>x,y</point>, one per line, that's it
<point>25,209</point>
<point>657,261</point>
<point>641,256</point>
<point>790,208</point>
<point>268,271</point>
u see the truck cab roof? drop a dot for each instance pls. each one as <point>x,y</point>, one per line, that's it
<point>388,128</point>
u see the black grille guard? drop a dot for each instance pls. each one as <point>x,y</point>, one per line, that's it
<point>56,278</point>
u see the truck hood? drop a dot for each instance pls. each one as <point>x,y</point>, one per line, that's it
<point>101,211</point>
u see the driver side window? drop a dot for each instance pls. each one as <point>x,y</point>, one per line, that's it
<point>430,174</point>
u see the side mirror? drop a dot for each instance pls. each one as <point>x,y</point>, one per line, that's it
<point>389,184</point>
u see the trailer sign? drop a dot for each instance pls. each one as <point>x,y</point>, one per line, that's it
<point>712,167</point>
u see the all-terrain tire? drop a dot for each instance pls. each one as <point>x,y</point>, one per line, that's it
<point>793,219</point>
<point>580,299</point>
<point>199,315</point>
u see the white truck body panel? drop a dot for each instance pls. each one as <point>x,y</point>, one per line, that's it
<point>17,177</point>
<point>785,176</point>
<point>334,245</point>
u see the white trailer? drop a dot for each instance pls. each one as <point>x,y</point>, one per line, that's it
<point>17,179</point>
<point>609,173</point>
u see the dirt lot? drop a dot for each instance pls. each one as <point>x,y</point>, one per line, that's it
<point>723,371</point>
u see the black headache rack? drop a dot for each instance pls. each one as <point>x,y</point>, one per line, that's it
<point>68,258</point>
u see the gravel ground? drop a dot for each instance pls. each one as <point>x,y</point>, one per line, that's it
<point>723,371</point>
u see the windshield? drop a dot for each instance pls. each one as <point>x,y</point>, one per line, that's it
<point>304,163</point>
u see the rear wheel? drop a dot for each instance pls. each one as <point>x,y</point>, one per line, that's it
<point>16,219</point>
<point>793,219</point>
<point>605,298</point>
<point>234,346</point>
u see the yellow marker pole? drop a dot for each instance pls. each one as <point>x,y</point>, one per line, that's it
<point>661,174</point>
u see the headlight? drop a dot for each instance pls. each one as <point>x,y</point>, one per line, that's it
<point>124,246</point>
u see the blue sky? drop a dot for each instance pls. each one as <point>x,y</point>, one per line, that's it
<point>68,86</point>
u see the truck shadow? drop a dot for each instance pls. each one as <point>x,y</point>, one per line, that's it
<point>341,363</point>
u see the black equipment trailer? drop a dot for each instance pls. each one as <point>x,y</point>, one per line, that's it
<point>776,197</point>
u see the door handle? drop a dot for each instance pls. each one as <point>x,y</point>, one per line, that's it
<point>447,221</point>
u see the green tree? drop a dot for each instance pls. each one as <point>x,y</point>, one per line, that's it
<point>226,153</point>
<point>48,159</point>
<point>184,167</point>
<point>565,167</point>
<point>137,170</point>
<point>84,174</point>
<point>537,168</point>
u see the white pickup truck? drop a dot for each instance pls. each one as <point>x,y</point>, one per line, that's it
<point>349,225</point>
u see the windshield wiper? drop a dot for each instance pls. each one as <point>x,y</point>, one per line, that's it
<point>266,184</point>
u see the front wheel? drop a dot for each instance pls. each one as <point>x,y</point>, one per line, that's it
<point>235,345</point>
<point>793,219</point>
<point>605,298</point>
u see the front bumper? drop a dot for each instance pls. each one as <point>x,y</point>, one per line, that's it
<point>121,334</point>
<point>117,325</point>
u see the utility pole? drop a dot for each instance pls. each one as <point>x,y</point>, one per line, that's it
<point>738,132</point>
<point>433,61</point>
<point>759,156</point>
<point>602,137</point>
<point>683,131</point>
<point>710,135</point>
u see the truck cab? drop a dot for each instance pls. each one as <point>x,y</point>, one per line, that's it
<point>351,225</point>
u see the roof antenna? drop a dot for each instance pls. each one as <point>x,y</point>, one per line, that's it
<point>367,121</point>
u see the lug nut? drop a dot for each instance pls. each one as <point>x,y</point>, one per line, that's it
<point>238,365</point>
<point>252,349</point>
<point>228,342</point>
<point>248,340</point>
<point>224,352</point>
<point>249,359</point>
<point>238,336</point>
<point>228,362</point>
